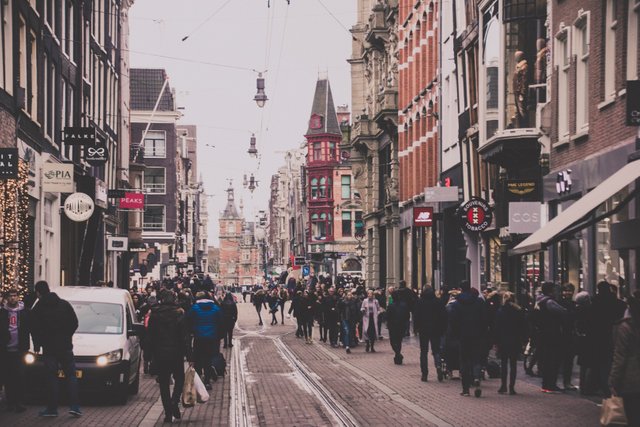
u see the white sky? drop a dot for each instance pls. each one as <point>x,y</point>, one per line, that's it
<point>219,101</point>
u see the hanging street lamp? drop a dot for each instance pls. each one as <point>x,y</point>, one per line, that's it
<point>261,97</point>
<point>253,151</point>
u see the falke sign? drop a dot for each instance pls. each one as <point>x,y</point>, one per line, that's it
<point>475,215</point>
<point>423,217</point>
<point>8,163</point>
<point>96,155</point>
<point>79,136</point>
<point>132,201</point>
<point>57,177</point>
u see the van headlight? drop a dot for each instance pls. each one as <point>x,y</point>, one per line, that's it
<point>111,357</point>
<point>29,358</point>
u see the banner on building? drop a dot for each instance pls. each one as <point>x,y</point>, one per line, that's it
<point>524,217</point>
<point>77,135</point>
<point>8,163</point>
<point>79,207</point>
<point>423,217</point>
<point>57,177</point>
<point>132,201</point>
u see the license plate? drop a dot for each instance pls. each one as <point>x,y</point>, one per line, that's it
<point>61,374</point>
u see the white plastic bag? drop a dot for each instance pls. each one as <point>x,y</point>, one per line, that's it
<point>201,391</point>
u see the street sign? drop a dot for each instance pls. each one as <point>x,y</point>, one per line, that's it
<point>57,177</point>
<point>422,217</point>
<point>132,201</point>
<point>79,136</point>
<point>96,155</point>
<point>78,207</point>
<point>475,215</point>
<point>441,194</point>
<point>299,260</point>
<point>306,270</point>
<point>633,102</point>
<point>9,163</point>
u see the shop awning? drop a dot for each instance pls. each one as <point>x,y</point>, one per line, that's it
<point>579,210</point>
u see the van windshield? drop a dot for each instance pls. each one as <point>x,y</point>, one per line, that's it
<point>98,317</point>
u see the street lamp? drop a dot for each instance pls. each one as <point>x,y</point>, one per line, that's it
<point>261,97</point>
<point>253,151</point>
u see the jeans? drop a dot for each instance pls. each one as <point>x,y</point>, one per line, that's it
<point>470,366</point>
<point>166,369</point>
<point>333,331</point>
<point>568,355</point>
<point>228,336</point>
<point>203,351</point>
<point>347,333</point>
<point>52,362</point>
<point>510,362</point>
<point>549,365</point>
<point>12,368</point>
<point>395,339</point>
<point>425,341</point>
<point>307,328</point>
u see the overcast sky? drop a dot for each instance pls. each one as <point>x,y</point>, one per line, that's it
<point>293,42</point>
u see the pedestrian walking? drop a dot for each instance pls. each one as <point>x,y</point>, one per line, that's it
<point>468,320</point>
<point>510,334</point>
<point>169,340</point>
<point>349,313</point>
<point>548,317</point>
<point>306,315</point>
<point>370,309</point>
<point>584,342</point>
<point>430,320</point>
<point>568,350</point>
<point>331,315</point>
<point>205,323</point>
<point>624,379</point>
<point>259,297</point>
<point>53,324</point>
<point>14,344</point>
<point>398,316</point>
<point>229,316</point>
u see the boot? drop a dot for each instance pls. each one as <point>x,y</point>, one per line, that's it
<point>367,347</point>
<point>373,350</point>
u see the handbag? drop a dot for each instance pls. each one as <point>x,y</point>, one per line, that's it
<point>613,412</point>
<point>201,392</point>
<point>189,390</point>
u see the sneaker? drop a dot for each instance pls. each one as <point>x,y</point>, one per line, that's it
<point>75,411</point>
<point>570,387</point>
<point>502,390</point>
<point>208,386</point>
<point>477,392</point>
<point>48,413</point>
<point>465,393</point>
<point>348,350</point>
<point>512,392</point>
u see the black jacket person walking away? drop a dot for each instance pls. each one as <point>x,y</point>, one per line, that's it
<point>510,334</point>
<point>468,320</point>
<point>229,316</point>
<point>399,313</point>
<point>169,341</point>
<point>548,319</point>
<point>53,326</point>
<point>430,321</point>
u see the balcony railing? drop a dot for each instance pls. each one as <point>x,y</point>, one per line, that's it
<point>155,188</point>
<point>153,226</point>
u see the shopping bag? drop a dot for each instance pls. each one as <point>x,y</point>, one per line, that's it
<point>201,392</point>
<point>189,390</point>
<point>613,412</point>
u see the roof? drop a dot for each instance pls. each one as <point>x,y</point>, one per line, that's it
<point>230,211</point>
<point>324,107</point>
<point>91,293</point>
<point>145,84</point>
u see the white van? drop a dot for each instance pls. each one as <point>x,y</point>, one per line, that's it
<point>106,344</point>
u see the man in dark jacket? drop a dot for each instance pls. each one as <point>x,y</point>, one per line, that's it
<point>205,321</point>
<point>429,320</point>
<point>606,310</point>
<point>568,351</point>
<point>548,320</point>
<point>349,315</point>
<point>169,341</point>
<point>53,324</point>
<point>398,316</point>
<point>331,315</point>
<point>468,323</point>
<point>14,344</point>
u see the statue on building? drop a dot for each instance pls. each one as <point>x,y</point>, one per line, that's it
<point>540,68</point>
<point>520,89</point>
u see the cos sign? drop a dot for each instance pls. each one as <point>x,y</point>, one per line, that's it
<point>524,217</point>
<point>475,215</point>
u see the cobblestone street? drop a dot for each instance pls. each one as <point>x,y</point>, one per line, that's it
<point>276,379</point>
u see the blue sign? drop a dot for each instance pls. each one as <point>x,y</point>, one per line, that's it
<point>306,270</point>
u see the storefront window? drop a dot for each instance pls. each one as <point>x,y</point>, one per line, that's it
<point>610,265</point>
<point>491,61</point>
<point>495,264</point>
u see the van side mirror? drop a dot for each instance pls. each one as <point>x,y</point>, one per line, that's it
<point>136,330</point>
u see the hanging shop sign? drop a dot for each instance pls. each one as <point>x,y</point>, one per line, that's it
<point>299,261</point>
<point>101,194</point>
<point>132,201</point>
<point>182,257</point>
<point>521,189</point>
<point>57,177</point>
<point>633,102</point>
<point>423,217</point>
<point>441,194</point>
<point>564,182</point>
<point>524,217</point>
<point>96,155</point>
<point>79,135</point>
<point>117,244</point>
<point>475,215</point>
<point>9,163</point>
<point>79,207</point>
<point>115,194</point>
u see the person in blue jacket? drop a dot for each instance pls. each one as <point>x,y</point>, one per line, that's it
<point>205,320</point>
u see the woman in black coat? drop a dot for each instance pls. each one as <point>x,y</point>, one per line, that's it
<point>510,335</point>
<point>229,317</point>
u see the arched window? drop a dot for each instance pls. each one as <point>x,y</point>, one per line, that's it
<point>314,188</point>
<point>322,193</point>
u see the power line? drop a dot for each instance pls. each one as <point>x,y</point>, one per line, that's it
<point>336,19</point>
<point>215,12</point>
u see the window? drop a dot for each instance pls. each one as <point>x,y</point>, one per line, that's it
<point>581,49</point>
<point>245,255</point>
<point>154,180</point>
<point>231,228</point>
<point>633,28</point>
<point>346,186</point>
<point>314,188</point>
<point>155,145</point>
<point>491,62</point>
<point>317,151</point>
<point>610,50</point>
<point>359,224</point>
<point>321,226</point>
<point>346,224</point>
<point>68,30</point>
<point>332,151</point>
<point>153,219</point>
<point>6,47</point>
<point>563,62</point>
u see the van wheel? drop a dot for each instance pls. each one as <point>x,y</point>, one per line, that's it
<point>122,394</point>
<point>135,386</point>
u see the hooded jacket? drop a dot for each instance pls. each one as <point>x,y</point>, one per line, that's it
<point>168,334</point>
<point>23,326</point>
<point>205,319</point>
<point>468,319</point>
<point>430,315</point>
<point>53,324</point>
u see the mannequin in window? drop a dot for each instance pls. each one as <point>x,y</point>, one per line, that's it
<point>521,91</point>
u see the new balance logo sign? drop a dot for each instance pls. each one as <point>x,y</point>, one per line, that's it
<point>424,216</point>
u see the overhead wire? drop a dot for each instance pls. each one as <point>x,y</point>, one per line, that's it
<point>199,26</point>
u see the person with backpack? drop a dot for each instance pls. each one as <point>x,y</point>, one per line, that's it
<point>548,318</point>
<point>205,321</point>
<point>510,333</point>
